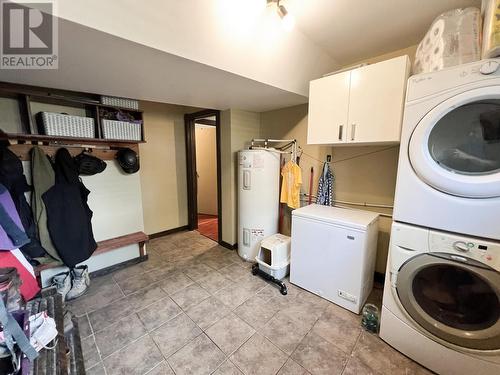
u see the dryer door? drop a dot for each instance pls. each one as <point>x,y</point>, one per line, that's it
<point>454,298</point>
<point>455,148</point>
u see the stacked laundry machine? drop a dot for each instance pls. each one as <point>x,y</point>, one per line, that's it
<point>441,302</point>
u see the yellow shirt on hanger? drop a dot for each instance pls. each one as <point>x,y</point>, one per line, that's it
<point>290,188</point>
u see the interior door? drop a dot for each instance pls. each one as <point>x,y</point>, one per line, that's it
<point>455,148</point>
<point>454,298</point>
<point>376,102</point>
<point>328,107</point>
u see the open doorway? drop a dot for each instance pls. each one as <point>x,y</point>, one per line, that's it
<point>203,165</point>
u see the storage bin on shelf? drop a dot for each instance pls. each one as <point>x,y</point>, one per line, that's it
<point>120,102</point>
<point>273,257</point>
<point>122,130</point>
<point>61,124</point>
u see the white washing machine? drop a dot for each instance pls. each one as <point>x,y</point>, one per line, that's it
<point>441,302</point>
<point>449,163</point>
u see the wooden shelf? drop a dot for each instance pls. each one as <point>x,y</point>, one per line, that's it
<point>34,100</point>
<point>68,140</point>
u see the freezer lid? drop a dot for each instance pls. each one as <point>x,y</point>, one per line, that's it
<point>351,218</point>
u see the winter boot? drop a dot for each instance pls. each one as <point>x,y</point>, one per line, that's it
<point>62,282</point>
<point>80,282</point>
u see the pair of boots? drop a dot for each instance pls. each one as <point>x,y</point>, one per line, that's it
<point>72,284</point>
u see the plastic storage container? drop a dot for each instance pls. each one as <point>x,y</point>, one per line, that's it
<point>274,256</point>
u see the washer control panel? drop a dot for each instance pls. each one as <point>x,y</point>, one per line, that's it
<point>426,84</point>
<point>486,252</point>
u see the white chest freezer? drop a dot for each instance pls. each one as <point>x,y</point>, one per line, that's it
<point>333,253</point>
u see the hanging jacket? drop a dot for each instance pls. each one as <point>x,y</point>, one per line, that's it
<point>12,234</point>
<point>325,186</point>
<point>42,179</point>
<point>12,177</point>
<point>68,214</point>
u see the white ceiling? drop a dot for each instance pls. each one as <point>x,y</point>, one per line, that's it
<point>222,53</point>
<point>96,62</point>
<point>243,37</point>
<point>352,30</point>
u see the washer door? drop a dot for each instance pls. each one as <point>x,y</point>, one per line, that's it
<point>456,301</point>
<point>455,148</point>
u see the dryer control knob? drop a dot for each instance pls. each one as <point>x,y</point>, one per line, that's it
<point>489,67</point>
<point>461,246</point>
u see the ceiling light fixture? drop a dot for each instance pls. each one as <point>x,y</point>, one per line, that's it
<point>287,18</point>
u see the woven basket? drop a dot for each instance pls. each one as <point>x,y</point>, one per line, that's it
<point>123,130</point>
<point>120,102</point>
<point>58,124</point>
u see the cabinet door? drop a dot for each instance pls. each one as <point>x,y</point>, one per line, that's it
<point>328,106</point>
<point>377,101</point>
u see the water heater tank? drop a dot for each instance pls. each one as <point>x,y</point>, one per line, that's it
<point>258,199</point>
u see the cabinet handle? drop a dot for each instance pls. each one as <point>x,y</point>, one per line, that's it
<point>353,132</point>
<point>341,130</point>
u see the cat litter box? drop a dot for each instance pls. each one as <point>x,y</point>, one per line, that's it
<point>273,259</point>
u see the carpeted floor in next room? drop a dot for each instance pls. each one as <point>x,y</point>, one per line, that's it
<point>194,308</point>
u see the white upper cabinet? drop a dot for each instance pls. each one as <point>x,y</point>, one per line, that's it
<point>360,106</point>
<point>330,96</point>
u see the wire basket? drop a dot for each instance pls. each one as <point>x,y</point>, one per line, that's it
<point>59,124</point>
<point>122,130</point>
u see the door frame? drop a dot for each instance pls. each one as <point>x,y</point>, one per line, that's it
<point>192,181</point>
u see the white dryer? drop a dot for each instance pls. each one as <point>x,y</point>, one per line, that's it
<point>449,163</point>
<point>441,304</point>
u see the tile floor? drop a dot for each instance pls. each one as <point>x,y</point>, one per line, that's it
<point>194,308</point>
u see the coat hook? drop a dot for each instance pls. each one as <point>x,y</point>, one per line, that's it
<point>328,158</point>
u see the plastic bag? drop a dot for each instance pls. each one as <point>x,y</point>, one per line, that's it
<point>452,39</point>
<point>491,29</point>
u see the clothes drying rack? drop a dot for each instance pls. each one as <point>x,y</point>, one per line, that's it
<point>289,143</point>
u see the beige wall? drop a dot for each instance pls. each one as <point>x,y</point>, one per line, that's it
<point>227,188</point>
<point>206,167</point>
<point>163,167</point>
<point>237,130</point>
<point>368,174</point>
<point>291,123</point>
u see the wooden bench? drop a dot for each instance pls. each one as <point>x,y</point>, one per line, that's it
<point>139,238</point>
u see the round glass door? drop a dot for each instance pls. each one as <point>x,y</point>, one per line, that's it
<point>457,302</point>
<point>467,139</point>
<point>455,148</point>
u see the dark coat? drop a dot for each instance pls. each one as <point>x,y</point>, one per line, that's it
<point>12,177</point>
<point>68,214</point>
